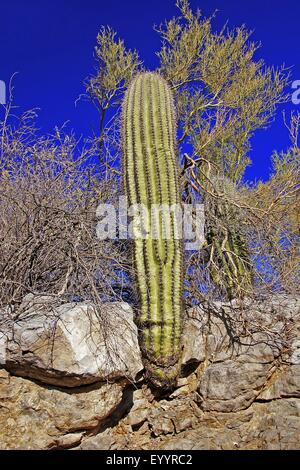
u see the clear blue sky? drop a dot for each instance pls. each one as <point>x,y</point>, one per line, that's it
<point>50,43</point>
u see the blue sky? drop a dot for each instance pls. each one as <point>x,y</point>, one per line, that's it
<point>50,44</point>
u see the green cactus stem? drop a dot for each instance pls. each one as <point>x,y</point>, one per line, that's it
<point>150,178</point>
<point>230,264</point>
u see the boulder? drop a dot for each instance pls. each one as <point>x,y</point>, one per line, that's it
<point>72,344</point>
<point>34,416</point>
<point>284,384</point>
<point>231,385</point>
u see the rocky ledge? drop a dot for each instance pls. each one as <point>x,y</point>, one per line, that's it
<point>71,376</point>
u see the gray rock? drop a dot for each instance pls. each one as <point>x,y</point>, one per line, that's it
<point>231,386</point>
<point>74,344</point>
<point>295,352</point>
<point>6,327</point>
<point>193,338</point>
<point>102,441</point>
<point>160,423</point>
<point>42,417</point>
<point>257,331</point>
<point>285,384</point>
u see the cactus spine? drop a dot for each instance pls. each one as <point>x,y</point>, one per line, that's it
<point>150,168</point>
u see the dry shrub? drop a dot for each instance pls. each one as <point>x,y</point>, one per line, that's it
<point>49,193</point>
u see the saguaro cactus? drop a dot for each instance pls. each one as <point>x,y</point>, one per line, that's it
<point>150,170</point>
<point>229,259</point>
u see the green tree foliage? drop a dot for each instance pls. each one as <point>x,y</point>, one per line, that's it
<point>223,93</point>
<point>277,204</point>
<point>116,67</point>
<point>223,96</point>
